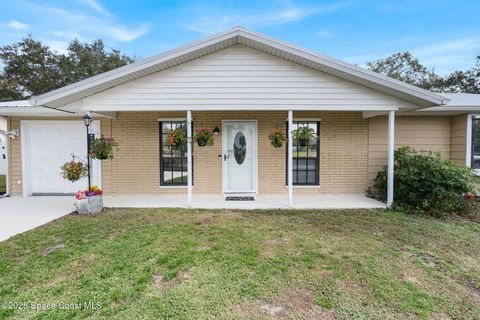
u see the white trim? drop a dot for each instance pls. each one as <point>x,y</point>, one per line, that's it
<point>468,142</point>
<point>224,163</point>
<point>7,155</point>
<point>171,119</point>
<point>23,135</point>
<point>173,187</point>
<point>305,119</point>
<point>390,156</point>
<point>189,159</point>
<point>290,159</point>
<point>213,107</point>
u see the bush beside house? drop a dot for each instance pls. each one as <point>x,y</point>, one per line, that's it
<point>428,183</point>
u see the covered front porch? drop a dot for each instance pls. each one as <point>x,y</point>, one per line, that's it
<point>214,201</point>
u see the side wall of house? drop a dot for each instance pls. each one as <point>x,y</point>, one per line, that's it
<point>458,138</point>
<point>432,133</point>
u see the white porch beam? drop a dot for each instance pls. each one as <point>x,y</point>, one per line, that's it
<point>189,158</point>
<point>371,114</point>
<point>290,158</point>
<point>390,160</point>
<point>109,114</point>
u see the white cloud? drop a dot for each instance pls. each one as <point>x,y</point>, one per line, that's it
<point>17,25</point>
<point>219,20</point>
<point>95,5</point>
<point>82,25</point>
<point>325,34</point>
<point>123,34</point>
<point>57,45</point>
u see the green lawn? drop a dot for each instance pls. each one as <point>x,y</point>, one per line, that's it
<point>180,264</point>
<point>3,184</point>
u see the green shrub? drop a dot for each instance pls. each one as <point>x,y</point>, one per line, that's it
<point>427,183</point>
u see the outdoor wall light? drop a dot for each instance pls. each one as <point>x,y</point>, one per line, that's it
<point>87,119</point>
<point>216,131</point>
<point>12,134</point>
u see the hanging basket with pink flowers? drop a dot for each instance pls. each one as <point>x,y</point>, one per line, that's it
<point>102,148</point>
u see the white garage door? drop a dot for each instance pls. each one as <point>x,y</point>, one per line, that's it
<point>46,146</point>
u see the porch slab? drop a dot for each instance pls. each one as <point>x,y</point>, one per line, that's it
<point>206,201</point>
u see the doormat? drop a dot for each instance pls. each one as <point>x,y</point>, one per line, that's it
<point>230,198</point>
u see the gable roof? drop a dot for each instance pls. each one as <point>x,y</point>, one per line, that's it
<point>238,35</point>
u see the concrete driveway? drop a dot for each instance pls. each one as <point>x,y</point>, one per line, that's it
<point>18,214</point>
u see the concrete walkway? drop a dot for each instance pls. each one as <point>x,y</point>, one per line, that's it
<point>207,201</point>
<point>18,214</point>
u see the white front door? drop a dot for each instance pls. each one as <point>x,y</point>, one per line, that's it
<point>240,156</point>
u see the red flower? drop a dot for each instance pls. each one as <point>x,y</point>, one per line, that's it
<point>469,196</point>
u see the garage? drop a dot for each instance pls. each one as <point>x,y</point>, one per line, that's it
<point>46,146</point>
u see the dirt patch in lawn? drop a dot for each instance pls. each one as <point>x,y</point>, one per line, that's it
<point>294,304</point>
<point>52,249</point>
<point>158,280</point>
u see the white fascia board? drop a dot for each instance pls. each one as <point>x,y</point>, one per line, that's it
<point>449,109</point>
<point>239,108</point>
<point>17,103</point>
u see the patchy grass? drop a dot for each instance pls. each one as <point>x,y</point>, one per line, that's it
<point>199,264</point>
<point>3,184</point>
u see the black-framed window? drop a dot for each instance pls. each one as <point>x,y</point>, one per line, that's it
<point>306,159</point>
<point>475,143</point>
<point>173,159</point>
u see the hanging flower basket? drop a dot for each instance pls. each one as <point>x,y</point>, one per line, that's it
<point>177,137</point>
<point>203,137</point>
<point>102,148</point>
<point>89,201</point>
<point>74,170</point>
<point>303,135</point>
<point>277,138</point>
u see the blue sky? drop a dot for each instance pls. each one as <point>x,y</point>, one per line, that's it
<point>444,34</point>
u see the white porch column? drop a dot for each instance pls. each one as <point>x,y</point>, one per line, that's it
<point>290,158</point>
<point>390,161</point>
<point>189,158</point>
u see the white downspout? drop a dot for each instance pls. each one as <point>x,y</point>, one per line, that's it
<point>189,158</point>
<point>468,143</point>
<point>290,158</point>
<point>390,160</point>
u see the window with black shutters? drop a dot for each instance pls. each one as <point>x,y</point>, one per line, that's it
<point>476,143</point>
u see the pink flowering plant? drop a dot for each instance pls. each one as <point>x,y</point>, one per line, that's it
<point>101,148</point>
<point>74,170</point>
<point>84,194</point>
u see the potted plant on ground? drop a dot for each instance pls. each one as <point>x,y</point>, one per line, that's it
<point>303,135</point>
<point>101,148</point>
<point>203,137</point>
<point>74,170</point>
<point>177,137</point>
<point>89,201</point>
<point>277,138</point>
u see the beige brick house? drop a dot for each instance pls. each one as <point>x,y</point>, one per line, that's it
<point>245,85</point>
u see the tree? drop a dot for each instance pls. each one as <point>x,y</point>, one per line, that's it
<point>462,81</point>
<point>403,66</point>
<point>31,68</point>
